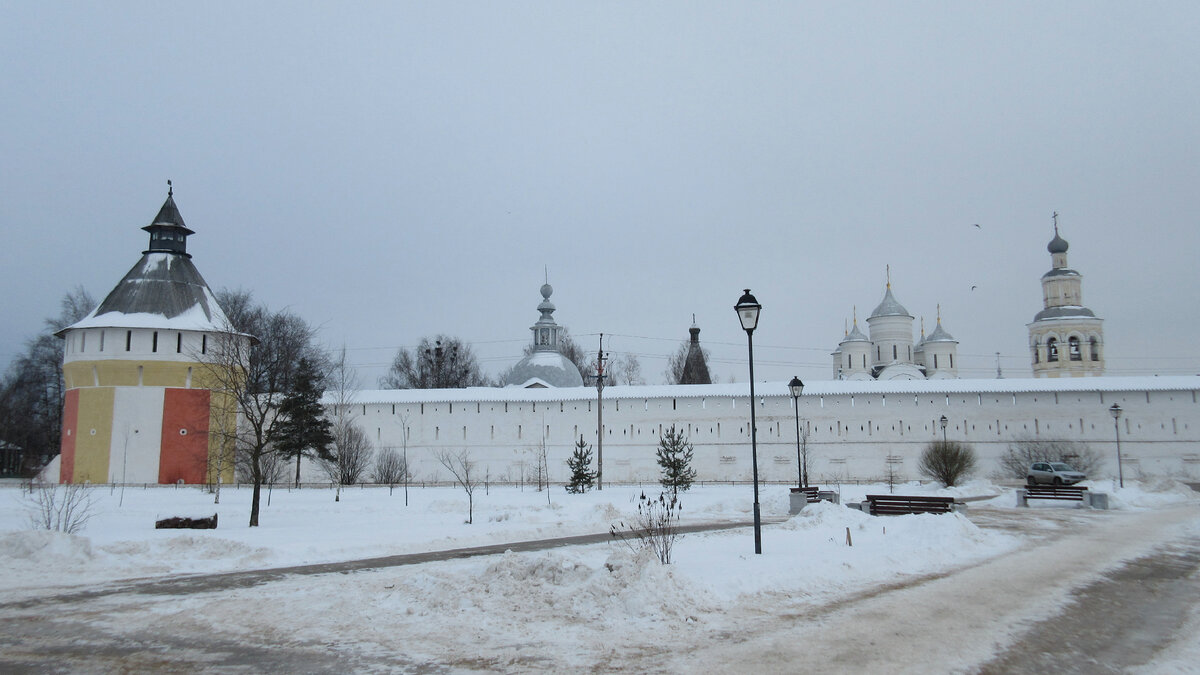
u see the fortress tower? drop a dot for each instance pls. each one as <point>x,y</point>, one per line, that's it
<point>137,408</point>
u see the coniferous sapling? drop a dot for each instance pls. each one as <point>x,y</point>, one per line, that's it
<point>675,458</point>
<point>580,464</point>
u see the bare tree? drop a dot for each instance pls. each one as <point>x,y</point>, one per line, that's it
<point>391,469</point>
<point>622,369</point>
<point>444,362</point>
<point>352,457</point>
<point>352,450</point>
<point>804,450</point>
<point>890,475</point>
<point>460,465</point>
<point>253,361</point>
<point>1025,450</point>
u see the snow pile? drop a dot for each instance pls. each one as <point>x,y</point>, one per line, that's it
<point>809,557</point>
<point>1143,494</point>
<point>970,489</point>
<point>44,548</point>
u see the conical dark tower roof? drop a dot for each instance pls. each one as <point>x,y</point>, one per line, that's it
<point>164,289</point>
<point>695,367</point>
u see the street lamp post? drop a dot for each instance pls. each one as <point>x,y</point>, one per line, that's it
<point>1116,411</point>
<point>944,422</point>
<point>796,387</point>
<point>747,309</point>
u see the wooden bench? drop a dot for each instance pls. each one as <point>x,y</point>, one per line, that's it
<point>899,505</point>
<point>1076,493</point>
<point>810,493</point>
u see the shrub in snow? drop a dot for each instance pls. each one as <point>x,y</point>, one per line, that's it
<point>947,461</point>
<point>65,508</point>
<point>654,527</point>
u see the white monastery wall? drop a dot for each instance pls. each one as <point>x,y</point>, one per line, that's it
<point>855,428</point>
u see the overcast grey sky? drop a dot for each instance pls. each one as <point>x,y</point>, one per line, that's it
<point>395,170</point>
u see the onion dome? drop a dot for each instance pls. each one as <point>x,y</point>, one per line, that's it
<point>889,306</point>
<point>1057,244</point>
<point>855,335</point>
<point>939,334</point>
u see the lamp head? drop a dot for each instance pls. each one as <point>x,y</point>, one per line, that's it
<point>796,387</point>
<point>1115,411</point>
<point>748,308</point>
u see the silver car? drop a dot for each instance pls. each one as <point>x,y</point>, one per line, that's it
<point>1053,473</point>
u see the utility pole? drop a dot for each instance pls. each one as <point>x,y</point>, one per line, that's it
<point>600,359</point>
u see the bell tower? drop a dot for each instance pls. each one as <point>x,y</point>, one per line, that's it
<point>1066,339</point>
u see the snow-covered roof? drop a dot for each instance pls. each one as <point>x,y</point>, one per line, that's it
<point>163,290</point>
<point>817,388</point>
<point>889,306</point>
<point>939,334</point>
<point>855,335</point>
<point>548,366</point>
<point>1064,312</point>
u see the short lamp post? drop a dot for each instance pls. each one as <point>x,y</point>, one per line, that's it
<point>944,422</point>
<point>796,387</point>
<point>1116,411</point>
<point>748,309</point>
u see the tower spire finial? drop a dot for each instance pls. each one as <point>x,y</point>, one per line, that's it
<point>889,275</point>
<point>939,314</point>
<point>1054,216</point>
<point>170,189</point>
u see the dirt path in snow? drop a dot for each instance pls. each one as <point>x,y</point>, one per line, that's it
<point>1012,614</point>
<point>224,581</point>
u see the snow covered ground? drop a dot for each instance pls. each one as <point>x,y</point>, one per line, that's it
<point>561,609</point>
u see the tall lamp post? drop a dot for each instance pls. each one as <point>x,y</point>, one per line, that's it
<point>796,387</point>
<point>1116,411</point>
<point>747,309</point>
<point>944,422</point>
